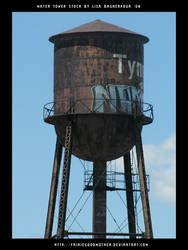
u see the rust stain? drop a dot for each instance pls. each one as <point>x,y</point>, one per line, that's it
<point>82,61</point>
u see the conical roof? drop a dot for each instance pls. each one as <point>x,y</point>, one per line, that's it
<point>98,26</point>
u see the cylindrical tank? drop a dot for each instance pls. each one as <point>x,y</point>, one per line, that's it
<point>98,82</point>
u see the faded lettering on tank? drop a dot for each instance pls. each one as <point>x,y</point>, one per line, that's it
<point>120,57</point>
<point>131,68</point>
<point>134,68</point>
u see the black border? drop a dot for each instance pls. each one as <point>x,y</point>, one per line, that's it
<point>144,5</point>
<point>156,6</point>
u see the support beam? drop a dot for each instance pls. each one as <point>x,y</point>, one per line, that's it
<point>129,196</point>
<point>143,184</point>
<point>65,182</point>
<point>109,234</point>
<point>53,190</point>
<point>99,199</point>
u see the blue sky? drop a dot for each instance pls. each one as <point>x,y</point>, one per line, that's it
<point>34,141</point>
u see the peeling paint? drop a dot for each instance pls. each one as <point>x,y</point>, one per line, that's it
<point>98,73</point>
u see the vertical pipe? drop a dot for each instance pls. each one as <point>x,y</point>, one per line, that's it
<point>143,185</point>
<point>99,199</point>
<point>53,190</point>
<point>65,182</point>
<point>129,195</point>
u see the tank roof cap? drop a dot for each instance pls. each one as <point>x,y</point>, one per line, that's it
<point>98,26</point>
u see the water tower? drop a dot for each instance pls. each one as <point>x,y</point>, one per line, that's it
<point>98,113</point>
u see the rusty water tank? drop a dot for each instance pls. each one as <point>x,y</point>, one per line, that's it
<point>98,82</point>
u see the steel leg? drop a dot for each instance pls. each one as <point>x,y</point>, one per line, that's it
<point>143,185</point>
<point>129,195</point>
<point>99,199</point>
<point>53,190</point>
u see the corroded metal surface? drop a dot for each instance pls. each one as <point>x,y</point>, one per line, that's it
<point>98,136</point>
<point>105,69</point>
<point>96,66</point>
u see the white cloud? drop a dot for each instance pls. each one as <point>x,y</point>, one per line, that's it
<point>162,154</point>
<point>163,184</point>
<point>160,162</point>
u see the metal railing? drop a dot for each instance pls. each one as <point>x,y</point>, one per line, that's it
<point>84,106</point>
<point>48,110</point>
<point>115,181</point>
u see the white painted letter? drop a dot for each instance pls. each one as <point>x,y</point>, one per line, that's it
<point>131,68</point>
<point>120,56</point>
